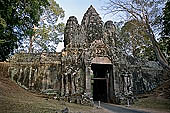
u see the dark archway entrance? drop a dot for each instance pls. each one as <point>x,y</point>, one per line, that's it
<point>101,82</point>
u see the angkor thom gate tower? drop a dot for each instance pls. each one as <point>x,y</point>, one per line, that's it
<point>89,54</point>
<point>90,64</point>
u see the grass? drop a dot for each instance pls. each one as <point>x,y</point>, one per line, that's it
<point>153,103</point>
<point>14,99</point>
<point>37,105</point>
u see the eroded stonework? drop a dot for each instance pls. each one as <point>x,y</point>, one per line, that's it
<point>90,65</point>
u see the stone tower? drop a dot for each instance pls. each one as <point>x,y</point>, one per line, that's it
<point>93,25</point>
<point>88,51</point>
<point>91,29</point>
<point>71,32</point>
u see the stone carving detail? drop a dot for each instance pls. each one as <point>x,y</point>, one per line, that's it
<point>109,33</point>
<point>71,31</point>
<point>93,25</point>
<point>36,71</point>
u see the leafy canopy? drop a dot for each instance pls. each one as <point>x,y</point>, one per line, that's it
<point>145,12</point>
<point>29,23</point>
<point>165,39</point>
<point>49,32</point>
<point>135,40</point>
<point>17,18</point>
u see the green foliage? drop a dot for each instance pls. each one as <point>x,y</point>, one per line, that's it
<point>135,41</point>
<point>17,18</point>
<point>166,19</point>
<point>165,47</point>
<point>165,39</point>
<point>2,23</point>
<point>48,32</point>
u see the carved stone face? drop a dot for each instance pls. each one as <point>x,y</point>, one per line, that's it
<point>91,28</point>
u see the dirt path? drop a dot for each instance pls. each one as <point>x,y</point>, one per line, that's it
<point>119,109</point>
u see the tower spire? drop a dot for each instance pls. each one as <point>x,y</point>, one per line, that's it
<point>92,24</point>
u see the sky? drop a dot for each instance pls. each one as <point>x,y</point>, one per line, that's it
<point>77,8</point>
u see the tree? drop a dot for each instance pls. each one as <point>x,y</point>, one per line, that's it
<point>135,41</point>
<point>166,20</point>
<point>49,33</point>
<point>17,18</point>
<point>145,12</point>
<point>165,38</point>
<point>2,26</point>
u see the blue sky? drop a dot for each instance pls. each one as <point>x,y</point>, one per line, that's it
<point>78,8</point>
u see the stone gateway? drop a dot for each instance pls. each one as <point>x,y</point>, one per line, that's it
<point>90,65</point>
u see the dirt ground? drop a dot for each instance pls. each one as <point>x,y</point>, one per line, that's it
<point>14,99</point>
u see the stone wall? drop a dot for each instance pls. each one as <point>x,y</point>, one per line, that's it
<point>4,69</point>
<point>134,76</point>
<point>36,71</point>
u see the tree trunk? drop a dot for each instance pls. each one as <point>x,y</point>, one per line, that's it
<point>30,48</point>
<point>162,60</point>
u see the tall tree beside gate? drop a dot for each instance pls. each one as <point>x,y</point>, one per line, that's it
<point>145,12</point>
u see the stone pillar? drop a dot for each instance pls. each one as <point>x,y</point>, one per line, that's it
<point>77,85</point>
<point>62,85</point>
<point>20,74</point>
<point>46,76</point>
<point>48,79</point>
<point>88,81</point>
<point>126,83</point>
<point>35,77</point>
<point>111,88</point>
<point>91,76</point>
<point>73,85</point>
<point>25,74</point>
<point>82,81</point>
<point>114,85</point>
<point>30,73</point>
<point>67,89</point>
<point>131,83</point>
<point>43,83</point>
<point>114,80</point>
<point>69,78</point>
